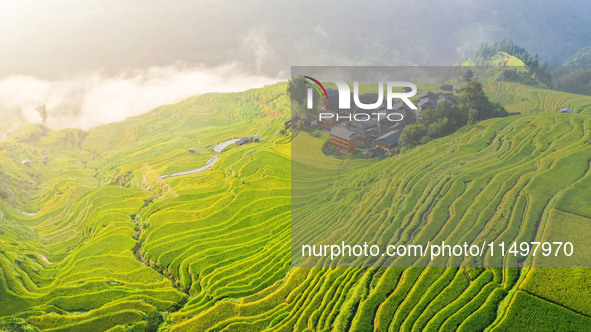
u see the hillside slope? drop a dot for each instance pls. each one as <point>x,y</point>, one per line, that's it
<point>113,245</point>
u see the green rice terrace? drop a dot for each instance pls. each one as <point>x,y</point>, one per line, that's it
<point>93,238</point>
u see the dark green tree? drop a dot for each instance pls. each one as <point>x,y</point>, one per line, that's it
<point>442,110</point>
<point>445,118</point>
<point>42,110</point>
<point>472,116</point>
<point>467,75</point>
<point>473,96</point>
<point>412,135</point>
<point>297,90</point>
<point>510,75</point>
<point>14,324</point>
<point>446,87</point>
<point>439,128</point>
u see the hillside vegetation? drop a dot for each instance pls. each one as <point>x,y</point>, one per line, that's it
<point>113,246</point>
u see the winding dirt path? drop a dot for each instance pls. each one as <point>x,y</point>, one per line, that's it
<point>44,258</point>
<point>217,148</point>
<point>30,214</point>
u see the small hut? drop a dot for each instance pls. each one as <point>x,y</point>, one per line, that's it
<point>242,141</point>
<point>288,123</point>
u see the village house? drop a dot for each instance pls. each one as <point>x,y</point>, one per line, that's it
<point>565,110</point>
<point>364,125</point>
<point>356,128</point>
<point>242,141</point>
<point>383,123</point>
<point>329,122</point>
<point>430,100</point>
<point>425,103</point>
<point>372,98</point>
<point>346,140</point>
<point>389,140</point>
<point>407,113</point>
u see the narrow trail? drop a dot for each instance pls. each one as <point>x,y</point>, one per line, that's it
<point>44,258</point>
<point>222,145</point>
<point>205,167</point>
<point>209,164</point>
<point>146,183</point>
<point>30,214</point>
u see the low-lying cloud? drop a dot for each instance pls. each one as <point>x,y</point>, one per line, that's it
<point>90,99</point>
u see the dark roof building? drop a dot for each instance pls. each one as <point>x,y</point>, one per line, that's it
<point>343,133</point>
<point>429,99</point>
<point>329,122</point>
<point>345,140</point>
<point>242,141</point>
<point>406,112</point>
<point>400,106</point>
<point>389,140</point>
<point>427,94</point>
<point>449,97</point>
<point>370,99</point>
<point>426,103</point>
<point>364,125</point>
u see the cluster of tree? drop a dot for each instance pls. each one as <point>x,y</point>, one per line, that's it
<point>297,91</point>
<point>483,54</point>
<point>533,76</point>
<point>446,87</point>
<point>510,75</point>
<point>42,110</point>
<point>16,325</point>
<point>445,118</point>
<point>540,72</point>
<point>575,80</point>
<point>537,70</point>
<point>581,59</point>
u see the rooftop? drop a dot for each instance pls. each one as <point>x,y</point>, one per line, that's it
<point>343,133</point>
<point>390,138</point>
<point>364,124</point>
<point>242,140</point>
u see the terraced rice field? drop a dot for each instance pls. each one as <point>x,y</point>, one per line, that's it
<point>524,99</point>
<point>211,250</point>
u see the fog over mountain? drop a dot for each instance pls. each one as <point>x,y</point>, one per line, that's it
<point>64,40</point>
